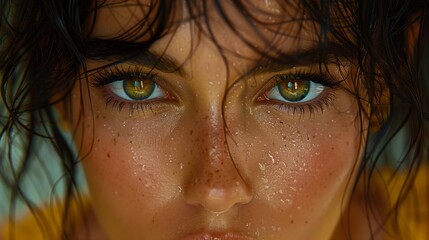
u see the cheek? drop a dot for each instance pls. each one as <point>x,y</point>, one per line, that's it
<point>126,168</point>
<point>300,167</point>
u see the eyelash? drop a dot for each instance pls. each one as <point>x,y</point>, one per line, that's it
<point>112,74</point>
<point>319,104</point>
<point>116,73</point>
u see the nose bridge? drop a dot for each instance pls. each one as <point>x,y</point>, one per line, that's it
<point>215,182</point>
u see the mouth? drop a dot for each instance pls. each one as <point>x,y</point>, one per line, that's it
<point>217,236</point>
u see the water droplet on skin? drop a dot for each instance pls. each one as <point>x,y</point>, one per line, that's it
<point>261,166</point>
<point>181,165</point>
<point>317,153</point>
<point>180,189</point>
<point>272,158</point>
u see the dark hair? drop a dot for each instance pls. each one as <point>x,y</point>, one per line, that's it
<point>44,44</point>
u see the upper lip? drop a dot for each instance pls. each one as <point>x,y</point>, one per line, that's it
<point>217,236</point>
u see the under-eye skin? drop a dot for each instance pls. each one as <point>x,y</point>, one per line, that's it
<point>299,93</point>
<point>131,87</point>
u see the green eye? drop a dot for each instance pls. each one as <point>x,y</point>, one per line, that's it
<point>138,89</point>
<point>295,90</point>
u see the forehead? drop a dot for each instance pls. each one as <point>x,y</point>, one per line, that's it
<point>256,24</point>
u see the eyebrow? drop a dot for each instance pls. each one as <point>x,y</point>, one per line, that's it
<point>308,57</point>
<point>163,62</point>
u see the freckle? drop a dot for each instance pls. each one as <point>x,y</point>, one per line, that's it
<point>191,132</point>
<point>108,155</point>
<point>98,140</point>
<point>281,122</point>
<point>332,148</point>
<point>114,141</point>
<point>118,134</point>
<point>314,136</point>
<point>330,174</point>
<point>347,143</point>
<point>306,221</point>
<point>291,221</point>
<point>131,141</point>
<point>88,126</point>
<point>299,132</point>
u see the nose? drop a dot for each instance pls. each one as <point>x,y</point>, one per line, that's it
<point>215,182</point>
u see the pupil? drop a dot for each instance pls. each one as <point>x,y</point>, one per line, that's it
<point>138,89</point>
<point>294,91</point>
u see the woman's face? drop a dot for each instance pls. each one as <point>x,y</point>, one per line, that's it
<point>191,147</point>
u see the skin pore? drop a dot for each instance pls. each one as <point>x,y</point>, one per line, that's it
<point>216,153</point>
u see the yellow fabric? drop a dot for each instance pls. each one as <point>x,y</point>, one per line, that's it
<point>45,223</point>
<point>413,216</point>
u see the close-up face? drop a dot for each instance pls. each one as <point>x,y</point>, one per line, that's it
<point>203,137</point>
